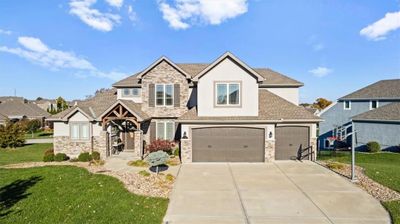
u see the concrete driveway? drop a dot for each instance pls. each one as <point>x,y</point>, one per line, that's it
<point>280,192</point>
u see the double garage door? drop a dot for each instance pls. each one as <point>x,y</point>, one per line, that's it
<point>242,144</point>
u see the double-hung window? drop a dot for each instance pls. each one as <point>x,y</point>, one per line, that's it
<point>165,130</point>
<point>164,94</point>
<point>347,105</point>
<point>227,94</point>
<point>79,131</point>
<point>373,104</point>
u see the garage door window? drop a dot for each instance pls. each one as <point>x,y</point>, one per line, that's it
<point>228,94</point>
<point>165,130</point>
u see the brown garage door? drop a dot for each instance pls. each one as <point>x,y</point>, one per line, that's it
<point>228,144</point>
<point>288,141</point>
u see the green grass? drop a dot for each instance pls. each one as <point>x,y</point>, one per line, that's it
<point>27,153</point>
<point>66,194</point>
<point>383,167</point>
<point>39,134</point>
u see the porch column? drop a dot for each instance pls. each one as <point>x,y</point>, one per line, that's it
<point>270,143</point>
<point>137,147</point>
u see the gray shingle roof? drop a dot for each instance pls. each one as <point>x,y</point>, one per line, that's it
<point>271,77</point>
<point>390,112</point>
<point>271,108</point>
<point>384,89</point>
<point>97,105</point>
<point>16,108</point>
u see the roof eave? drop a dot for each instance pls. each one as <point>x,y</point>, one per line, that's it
<point>252,121</point>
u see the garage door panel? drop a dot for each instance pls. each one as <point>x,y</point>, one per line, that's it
<point>228,144</point>
<point>288,141</point>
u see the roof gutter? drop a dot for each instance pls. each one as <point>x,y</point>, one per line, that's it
<point>248,121</point>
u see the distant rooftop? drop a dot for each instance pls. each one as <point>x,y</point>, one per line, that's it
<point>384,89</point>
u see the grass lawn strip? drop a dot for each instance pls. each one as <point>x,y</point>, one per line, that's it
<point>27,153</point>
<point>68,194</point>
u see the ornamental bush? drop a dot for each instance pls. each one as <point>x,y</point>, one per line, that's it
<point>373,147</point>
<point>158,158</point>
<point>12,135</point>
<point>161,145</point>
<point>84,157</point>
<point>96,156</point>
<point>60,157</point>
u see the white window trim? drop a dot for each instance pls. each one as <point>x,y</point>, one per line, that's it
<point>80,124</point>
<point>370,104</point>
<point>344,105</point>
<point>164,97</point>
<point>227,94</point>
<point>138,93</point>
<point>165,129</point>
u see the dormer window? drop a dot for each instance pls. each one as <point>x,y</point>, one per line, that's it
<point>373,104</point>
<point>347,105</point>
<point>227,93</point>
<point>130,92</point>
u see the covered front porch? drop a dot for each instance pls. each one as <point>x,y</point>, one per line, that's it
<point>122,129</point>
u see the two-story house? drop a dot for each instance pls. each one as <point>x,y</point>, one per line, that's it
<point>222,111</point>
<point>373,112</point>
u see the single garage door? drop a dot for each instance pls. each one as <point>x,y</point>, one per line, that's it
<point>223,144</point>
<point>288,141</point>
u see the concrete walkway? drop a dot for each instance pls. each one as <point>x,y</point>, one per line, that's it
<point>39,140</point>
<point>280,192</point>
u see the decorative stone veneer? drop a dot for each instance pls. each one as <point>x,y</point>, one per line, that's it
<point>186,150</point>
<point>164,73</point>
<point>269,150</point>
<point>63,144</point>
<point>138,143</point>
<point>313,143</point>
<point>100,144</point>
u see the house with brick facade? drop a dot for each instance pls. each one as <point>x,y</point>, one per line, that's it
<point>223,111</point>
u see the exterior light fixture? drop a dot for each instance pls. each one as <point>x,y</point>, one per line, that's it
<point>270,134</point>
<point>184,135</point>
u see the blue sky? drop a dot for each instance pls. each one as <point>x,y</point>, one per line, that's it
<point>71,48</point>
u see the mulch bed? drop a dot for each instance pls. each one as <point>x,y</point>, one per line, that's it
<point>153,185</point>
<point>375,189</point>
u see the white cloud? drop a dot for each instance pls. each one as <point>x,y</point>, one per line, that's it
<point>93,17</point>
<point>379,29</point>
<point>132,14</point>
<point>6,32</point>
<point>321,71</point>
<point>115,3</point>
<point>37,52</point>
<point>185,13</point>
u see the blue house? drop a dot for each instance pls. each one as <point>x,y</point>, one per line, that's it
<point>373,112</point>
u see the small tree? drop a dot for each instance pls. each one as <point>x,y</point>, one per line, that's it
<point>33,126</point>
<point>321,103</point>
<point>61,104</point>
<point>155,159</point>
<point>373,147</point>
<point>12,135</point>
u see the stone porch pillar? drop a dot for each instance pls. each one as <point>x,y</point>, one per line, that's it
<point>269,150</point>
<point>137,147</point>
<point>186,150</point>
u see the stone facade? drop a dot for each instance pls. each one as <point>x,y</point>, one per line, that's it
<point>63,144</point>
<point>186,150</point>
<point>164,73</point>
<point>269,150</point>
<point>138,143</point>
<point>100,144</point>
<point>313,143</point>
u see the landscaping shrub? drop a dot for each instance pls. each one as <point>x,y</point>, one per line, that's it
<point>176,152</point>
<point>157,158</point>
<point>49,151</point>
<point>170,177</point>
<point>84,157</point>
<point>335,165</point>
<point>373,147</point>
<point>60,157</point>
<point>161,145</point>
<point>144,173</point>
<point>12,135</point>
<point>95,155</point>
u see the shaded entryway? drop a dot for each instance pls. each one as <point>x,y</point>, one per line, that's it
<point>228,144</point>
<point>279,192</point>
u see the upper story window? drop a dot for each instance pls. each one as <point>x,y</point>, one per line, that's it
<point>347,105</point>
<point>79,131</point>
<point>164,94</point>
<point>130,92</point>
<point>227,94</point>
<point>373,104</point>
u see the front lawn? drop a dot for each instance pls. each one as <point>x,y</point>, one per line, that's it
<point>67,194</point>
<point>383,167</point>
<point>27,153</point>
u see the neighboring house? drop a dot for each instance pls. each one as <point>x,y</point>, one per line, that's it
<point>11,98</point>
<point>46,104</point>
<point>314,111</point>
<point>355,108</point>
<point>15,110</point>
<point>223,111</point>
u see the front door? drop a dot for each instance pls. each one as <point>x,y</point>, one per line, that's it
<point>129,140</point>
